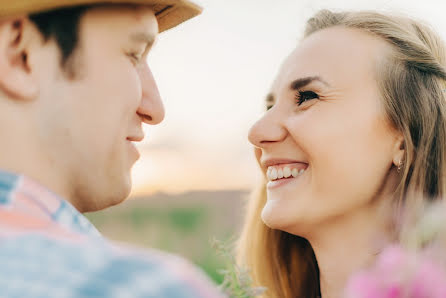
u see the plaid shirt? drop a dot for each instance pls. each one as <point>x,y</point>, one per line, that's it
<point>48,249</point>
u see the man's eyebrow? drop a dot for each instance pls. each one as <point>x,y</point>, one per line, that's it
<point>302,82</point>
<point>143,37</point>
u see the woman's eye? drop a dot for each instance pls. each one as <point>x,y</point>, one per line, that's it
<point>303,96</point>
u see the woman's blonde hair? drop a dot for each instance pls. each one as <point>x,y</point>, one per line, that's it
<point>412,84</point>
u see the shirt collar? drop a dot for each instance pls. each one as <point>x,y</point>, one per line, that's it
<point>22,194</point>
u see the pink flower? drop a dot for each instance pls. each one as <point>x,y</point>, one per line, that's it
<point>399,274</point>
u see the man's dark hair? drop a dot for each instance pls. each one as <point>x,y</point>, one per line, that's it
<point>62,25</point>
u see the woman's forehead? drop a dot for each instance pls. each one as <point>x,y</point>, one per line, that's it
<point>338,55</point>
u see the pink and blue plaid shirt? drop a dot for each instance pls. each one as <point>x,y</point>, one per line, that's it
<point>48,249</point>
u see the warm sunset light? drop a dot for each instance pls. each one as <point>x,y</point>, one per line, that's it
<point>341,102</point>
<point>213,74</point>
<point>165,172</point>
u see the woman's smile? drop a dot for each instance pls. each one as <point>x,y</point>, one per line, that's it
<point>284,180</point>
<point>281,174</point>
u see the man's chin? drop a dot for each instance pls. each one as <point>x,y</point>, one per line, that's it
<point>121,193</point>
<point>112,195</point>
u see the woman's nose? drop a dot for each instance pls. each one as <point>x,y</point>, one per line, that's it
<point>268,129</point>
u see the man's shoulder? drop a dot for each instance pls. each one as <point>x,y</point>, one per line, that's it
<point>35,265</point>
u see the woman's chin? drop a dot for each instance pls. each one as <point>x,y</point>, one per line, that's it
<point>273,217</point>
<point>277,216</point>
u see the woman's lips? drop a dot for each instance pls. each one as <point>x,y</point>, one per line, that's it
<point>280,182</point>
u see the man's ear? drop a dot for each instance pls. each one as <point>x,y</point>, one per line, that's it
<point>16,79</point>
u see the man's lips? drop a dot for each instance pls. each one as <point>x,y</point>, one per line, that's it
<point>136,138</point>
<point>132,140</point>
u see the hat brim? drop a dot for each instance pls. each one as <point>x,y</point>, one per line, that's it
<point>169,13</point>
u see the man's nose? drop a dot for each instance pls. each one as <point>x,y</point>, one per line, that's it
<point>151,108</point>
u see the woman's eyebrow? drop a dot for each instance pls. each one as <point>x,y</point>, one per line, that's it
<point>302,82</point>
<point>270,99</point>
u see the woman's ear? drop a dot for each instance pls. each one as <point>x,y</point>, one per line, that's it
<point>16,77</point>
<point>399,151</point>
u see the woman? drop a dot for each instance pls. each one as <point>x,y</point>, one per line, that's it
<point>355,131</point>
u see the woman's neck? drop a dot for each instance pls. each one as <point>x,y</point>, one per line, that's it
<point>345,245</point>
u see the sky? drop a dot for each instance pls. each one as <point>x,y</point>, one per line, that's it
<point>213,73</point>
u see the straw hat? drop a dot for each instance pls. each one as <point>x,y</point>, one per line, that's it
<point>169,13</point>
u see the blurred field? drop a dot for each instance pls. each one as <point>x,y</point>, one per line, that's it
<point>182,224</point>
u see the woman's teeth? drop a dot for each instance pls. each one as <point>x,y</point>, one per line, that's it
<point>276,173</point>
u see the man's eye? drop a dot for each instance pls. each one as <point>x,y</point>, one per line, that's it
<point>136,58</point>
<point>303,96</point>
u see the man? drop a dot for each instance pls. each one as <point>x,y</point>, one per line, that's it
<point>75,89</point>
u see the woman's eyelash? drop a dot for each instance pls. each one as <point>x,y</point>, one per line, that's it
<point>303,96</point>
